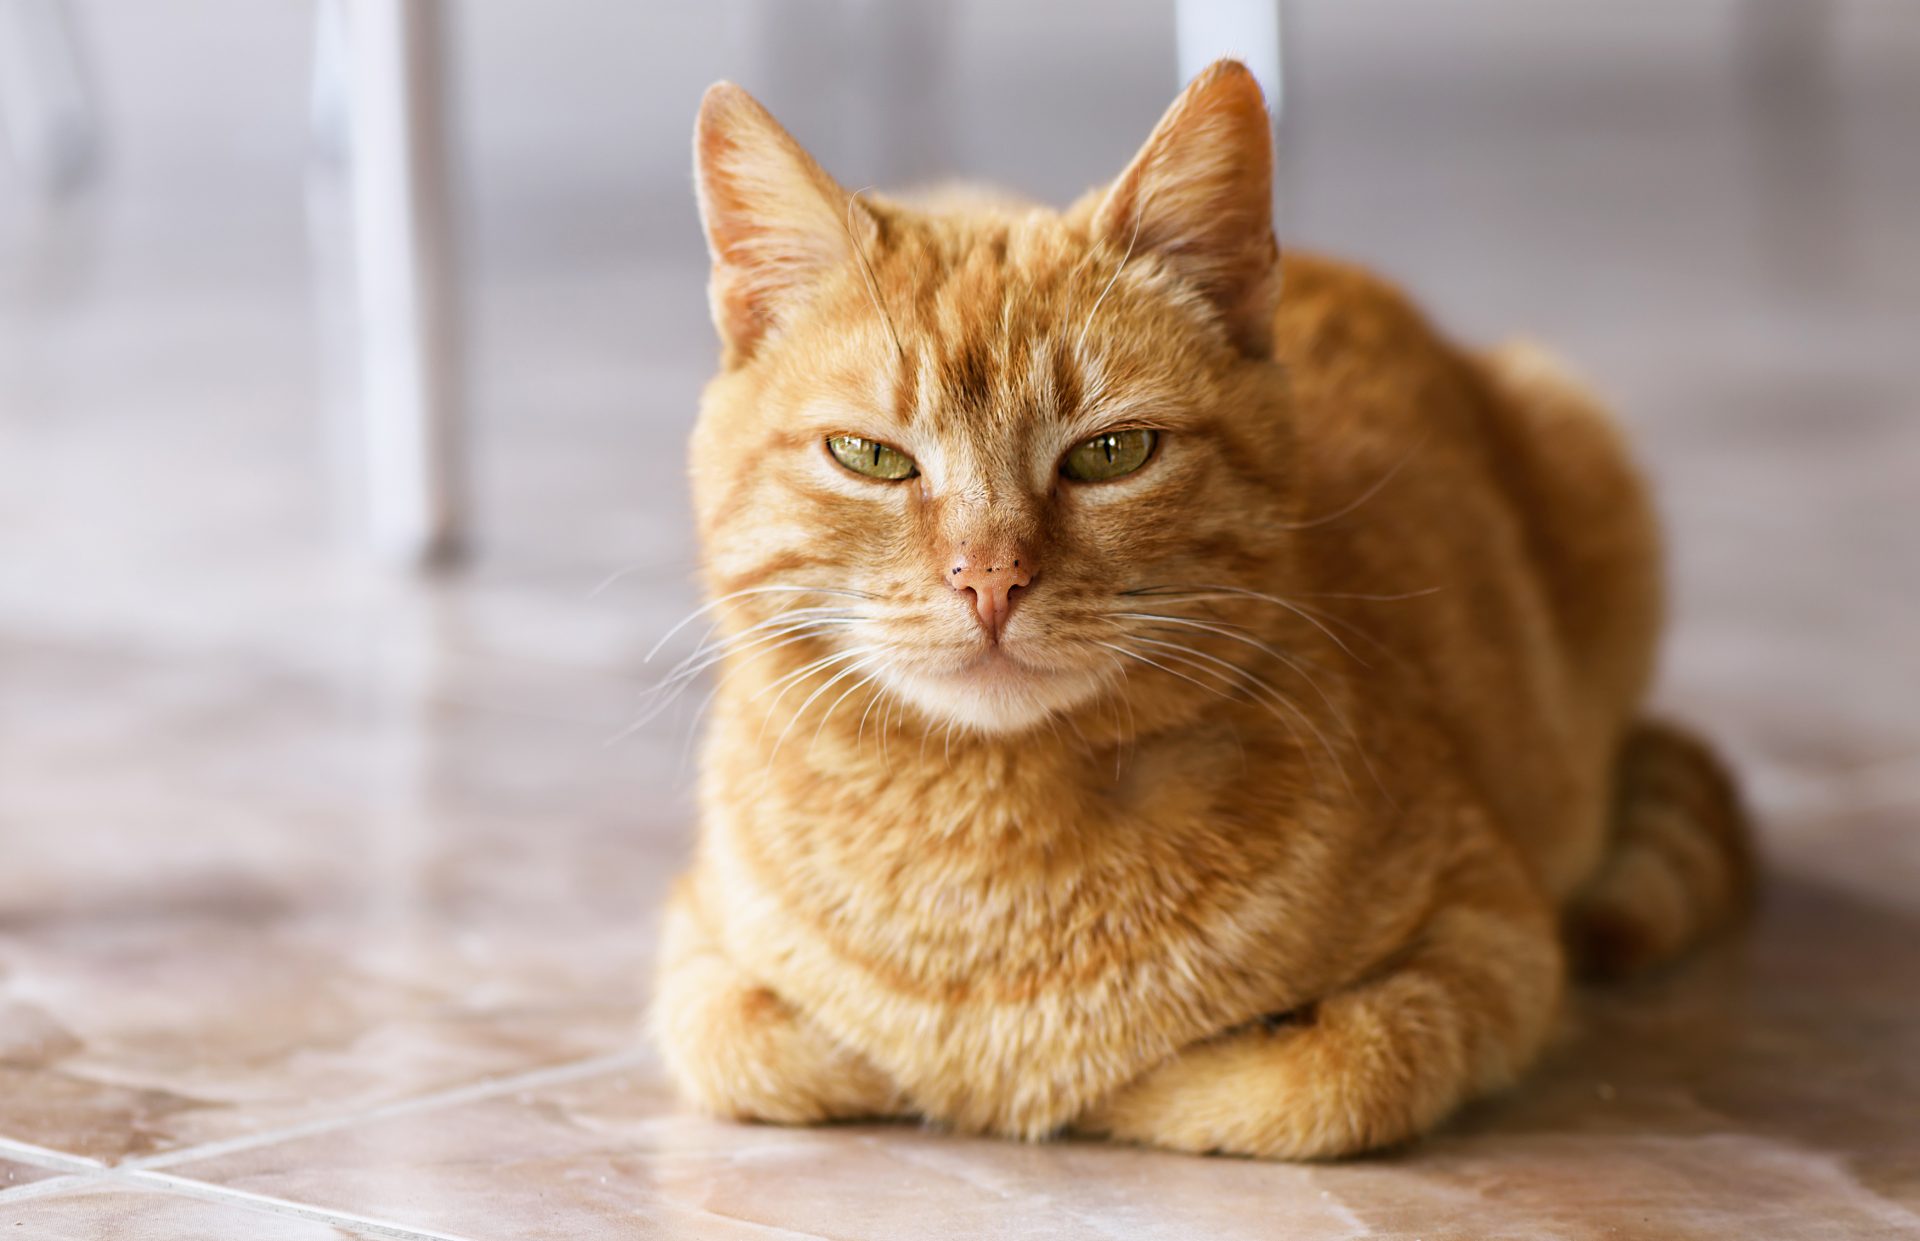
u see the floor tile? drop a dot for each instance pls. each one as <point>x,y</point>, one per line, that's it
<point>115,1214</point>
<point>249,898</point>
<point>314,872</point>
<point>1766,1089</point>
<point>14,1174</point>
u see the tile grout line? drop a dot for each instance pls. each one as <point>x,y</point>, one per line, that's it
<point>52,1185</point>
<point>206,1191</point>
<point>472,1092</point>
<point>45,1157</point>
<point>80,1170</point>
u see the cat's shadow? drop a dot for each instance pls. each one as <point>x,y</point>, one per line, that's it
<point>1799,1029</point>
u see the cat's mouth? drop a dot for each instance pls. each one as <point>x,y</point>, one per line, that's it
<point>996,690</point>
<point>995,662</point>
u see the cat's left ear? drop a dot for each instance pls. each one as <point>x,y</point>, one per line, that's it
<point>1200,194</point>
<point>775,221</point>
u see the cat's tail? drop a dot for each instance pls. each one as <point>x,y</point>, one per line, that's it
<point>1679,865</point>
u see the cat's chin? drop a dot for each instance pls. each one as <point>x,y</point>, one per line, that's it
<point>995,692</point>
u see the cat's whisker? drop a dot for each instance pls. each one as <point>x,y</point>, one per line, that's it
<point>710,605</point>
<point>1353,506</point>
<point>1237,633</point>
<point>782,617</point>
<point>785,618</point>
<point>620,575</point>
<point>669,689</point>
<point>1312,613</point>
<point>851,689</point>
<point>792,677</point>
<point>1274,700</point>
<point>1273,706</point>
<point>687,674</point>
<point>720,682</point>
<point>1369,598</point>
<point>1211,591</point>
<point>1087,747</point>
<point>661,697</point>
<point>1123,742</point>
<point>886,732</point>
<point>795,677</point>
<point>1299,670</point>
<point>853,669</point>
<point>866,272</point>
<point>1226,631</point>
<point>860,735</point>
<point>1334,618</point>
<point>1333,709</point>
<point>712,652</point>
<point>1151,663</point>
<point>1139,214</point>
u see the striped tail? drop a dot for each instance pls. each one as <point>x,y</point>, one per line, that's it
<point>1680,864</point>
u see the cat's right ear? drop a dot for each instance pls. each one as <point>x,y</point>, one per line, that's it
<point>775,221</point>
<point>1200,195</point>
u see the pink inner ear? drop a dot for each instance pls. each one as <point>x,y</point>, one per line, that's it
<point>1200,194</point>
<point>775,221</point>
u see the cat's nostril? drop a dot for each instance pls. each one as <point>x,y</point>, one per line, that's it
<point>990,588</point>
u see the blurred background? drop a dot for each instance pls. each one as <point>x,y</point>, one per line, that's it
<point>1709,207</point>
<point>251,755</point>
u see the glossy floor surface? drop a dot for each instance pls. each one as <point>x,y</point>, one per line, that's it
<point>327,897</point>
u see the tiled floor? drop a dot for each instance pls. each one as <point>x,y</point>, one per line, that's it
<point>327,900</point>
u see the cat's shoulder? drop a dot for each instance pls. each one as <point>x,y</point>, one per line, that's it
<point>1327,301</point>
<point>1311,273</point>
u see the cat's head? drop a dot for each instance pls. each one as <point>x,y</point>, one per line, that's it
<point>971,449</point>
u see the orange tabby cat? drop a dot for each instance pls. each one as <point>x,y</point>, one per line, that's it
<point>1167,690</point>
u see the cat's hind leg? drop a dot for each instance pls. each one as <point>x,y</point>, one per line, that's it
<point>1462,1011</point>
<point>739,1051</point>
<point>1679,862</point>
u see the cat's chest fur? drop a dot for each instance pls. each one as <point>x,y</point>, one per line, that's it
<point>1005,933</point>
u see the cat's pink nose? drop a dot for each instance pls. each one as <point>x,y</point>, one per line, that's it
<point>991,575</point>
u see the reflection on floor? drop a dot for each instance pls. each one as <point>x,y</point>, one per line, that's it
<point>326,900</point>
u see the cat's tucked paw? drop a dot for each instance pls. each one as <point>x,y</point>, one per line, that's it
<point>1273,1023</point>
<point>1368,1067</point>
<point>1279,1091</point>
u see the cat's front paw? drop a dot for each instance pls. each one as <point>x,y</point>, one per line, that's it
<point>740,1051</point>
<point>746,1054</point>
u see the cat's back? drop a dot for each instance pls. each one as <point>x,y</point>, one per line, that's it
<point>1477,522</point>
<point>1415,453</point>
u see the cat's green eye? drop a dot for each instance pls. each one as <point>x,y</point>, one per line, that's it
<point>871,458</point>
<point>1110,454</point>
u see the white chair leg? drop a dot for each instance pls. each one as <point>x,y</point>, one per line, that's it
<point>400,165</point>
<point>1247,30</point>
<point>328,84</point>
<point>46,109</point>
